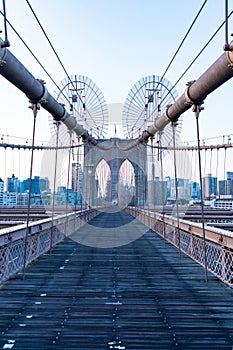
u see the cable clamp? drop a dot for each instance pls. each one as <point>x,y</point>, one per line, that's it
<point>188,99</point>
<point>166,112</point>
<point>44,98</point>
<point>2,62</point>
<point>2,53</point>
<point>229,58</point>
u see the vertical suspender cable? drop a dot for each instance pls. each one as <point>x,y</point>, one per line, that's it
<point>226,46</point>
<point>176,184</point>
<point>217,170</point>
<point>205,163</point>
<point>54,184</point>
<point>224,167</point>
<point>35,108</point>
<point>212,178</point>
<point>193,170</point>
<point>19,163</point>
<point>68,180</point>
<point>196,110</point>
<point>6,42</point>
<point>13,160</point>
<point>211,150</point>
<point>5,155</point>
<point>80,161</point>
<point>153,185</point>
<point>162,181</point>
<point>75,179</point>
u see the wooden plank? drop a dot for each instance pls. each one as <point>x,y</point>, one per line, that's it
<point>142,295</point>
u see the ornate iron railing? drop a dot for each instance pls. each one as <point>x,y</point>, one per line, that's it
<point>42,236</point>
<point>188,237</point>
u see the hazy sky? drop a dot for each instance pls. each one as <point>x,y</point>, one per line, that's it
<point>116,43</point>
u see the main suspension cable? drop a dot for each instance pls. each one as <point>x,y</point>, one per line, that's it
<point>194,60</point>
<point>200,52</point>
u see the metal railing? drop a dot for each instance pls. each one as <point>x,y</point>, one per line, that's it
<point>188,237</point>
<point>43,235</point>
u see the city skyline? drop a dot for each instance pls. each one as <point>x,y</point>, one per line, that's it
<point>130,54</point>
<point>39,184</point>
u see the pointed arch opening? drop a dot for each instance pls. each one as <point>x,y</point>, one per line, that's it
<point>103,181</point>
<point>126,185</point>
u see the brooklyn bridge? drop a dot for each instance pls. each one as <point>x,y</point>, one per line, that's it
<point>123,241</point>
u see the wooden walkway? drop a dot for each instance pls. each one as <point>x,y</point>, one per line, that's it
<point>139,296</point>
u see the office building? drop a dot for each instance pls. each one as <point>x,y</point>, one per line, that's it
<point>209,186</point>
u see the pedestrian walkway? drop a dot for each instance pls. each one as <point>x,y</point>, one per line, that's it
<point>138,296</point>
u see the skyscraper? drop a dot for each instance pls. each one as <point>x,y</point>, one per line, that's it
<point>195,191</point>
<point>209,186</point>
<point>13,184</point>
<point>38,185</point>
<point>77,177</point>
<point>44,185</point>
<point>226,186</point>
<point>1,191</point>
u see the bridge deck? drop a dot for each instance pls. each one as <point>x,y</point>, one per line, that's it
<point>138,296</point>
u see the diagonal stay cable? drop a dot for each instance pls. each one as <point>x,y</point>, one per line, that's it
<point>37,60</point>
<point>174,56</point>
<point>197,56</point>
<point>52,47</point>
<point>62,65</point>
<point>183,40</point>
<point>178,49</point>
<point>200,52</point>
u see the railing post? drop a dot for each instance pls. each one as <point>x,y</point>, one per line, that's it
<point>223,263</point>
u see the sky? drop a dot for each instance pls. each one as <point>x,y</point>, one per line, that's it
<point>116,43</point>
